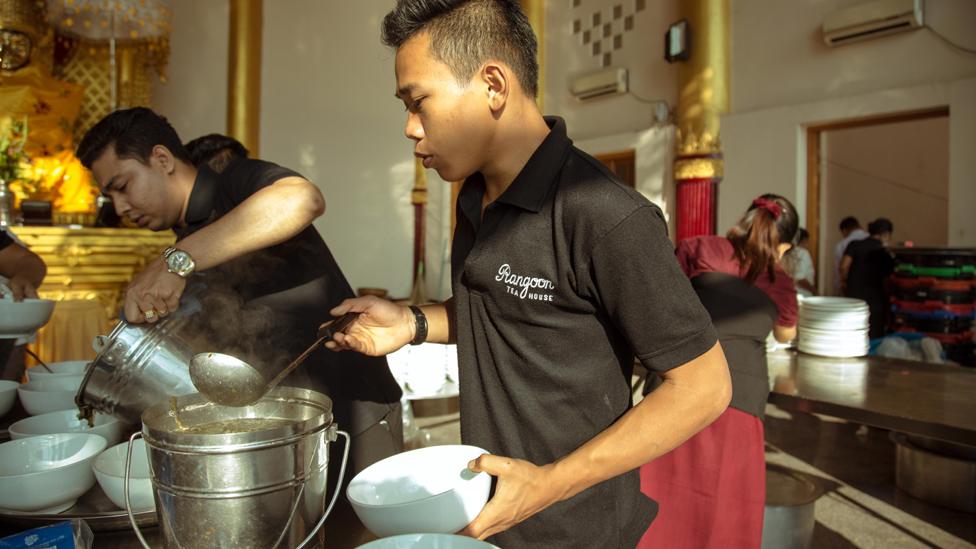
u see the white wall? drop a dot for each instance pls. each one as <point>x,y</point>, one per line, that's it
<point>194,99</point>
<point>778,91</point>
<point>641,52</point>
<point>328,111</point>
<point>779,57</point>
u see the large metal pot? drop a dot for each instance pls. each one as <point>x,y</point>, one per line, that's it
<point>260,489</point>
<point>791,497</point>
<point>935,471</point>
<point>137,366</point>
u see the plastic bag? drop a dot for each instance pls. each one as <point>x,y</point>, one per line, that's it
<point>73,534</point>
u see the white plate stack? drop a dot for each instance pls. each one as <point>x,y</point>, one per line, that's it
<point>833,326</point>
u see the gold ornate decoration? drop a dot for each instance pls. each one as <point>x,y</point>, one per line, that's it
<point>129,26</point>
<point>92,263</point>
<point>698,168</point>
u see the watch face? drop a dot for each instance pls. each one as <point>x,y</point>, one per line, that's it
<point>180,262</point>
<point>15,49</point>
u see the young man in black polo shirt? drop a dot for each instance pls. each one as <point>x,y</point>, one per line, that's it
<point>267,277</point>
<point>561,275</point>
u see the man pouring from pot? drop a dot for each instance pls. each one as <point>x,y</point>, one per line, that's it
<point>245,233</point>
<point>560,274</point>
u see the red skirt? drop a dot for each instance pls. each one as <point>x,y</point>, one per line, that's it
<point>711,489</point>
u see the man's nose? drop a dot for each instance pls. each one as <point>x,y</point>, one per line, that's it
<point>414,129</point>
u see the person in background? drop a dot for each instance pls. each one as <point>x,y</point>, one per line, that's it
<point>798,263</point>
<point>850,230</point>
<point>712,488</point>
<point>21,272</point>
<point>864,272</point>
<point>216,150</point>
<point>560,276</point>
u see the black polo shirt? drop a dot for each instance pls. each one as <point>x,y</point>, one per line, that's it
<point>265,307</point>
<point>566,278</point>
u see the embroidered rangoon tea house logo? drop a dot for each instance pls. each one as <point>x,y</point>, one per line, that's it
<point>525,287</point>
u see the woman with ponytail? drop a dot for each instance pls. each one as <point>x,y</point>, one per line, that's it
<point>712,488</point>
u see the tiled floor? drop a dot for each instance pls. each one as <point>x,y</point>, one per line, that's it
<point>862,507</point>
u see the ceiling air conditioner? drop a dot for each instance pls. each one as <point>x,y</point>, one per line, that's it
<point>607,81</point>
<point>870,20</point>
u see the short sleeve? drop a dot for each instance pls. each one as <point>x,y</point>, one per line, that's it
<point>783,294</point>
<point>637,280</point>
<point>249,176</point>
<point>5,239</point>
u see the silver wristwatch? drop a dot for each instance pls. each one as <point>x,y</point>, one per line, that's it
<point>178,262</point>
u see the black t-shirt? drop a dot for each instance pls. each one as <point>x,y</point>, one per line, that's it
<point>265,307</point>
<point>871,265</point>
<point>567,277</point>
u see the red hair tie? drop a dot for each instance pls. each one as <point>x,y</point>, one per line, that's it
<point>770,206</point>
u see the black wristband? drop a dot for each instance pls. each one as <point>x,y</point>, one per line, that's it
<point>420,335</point>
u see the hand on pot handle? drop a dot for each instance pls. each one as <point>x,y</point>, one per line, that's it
<point>381,327</point>
<point>153,294</point>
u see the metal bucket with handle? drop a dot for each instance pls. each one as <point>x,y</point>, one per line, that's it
<point>224,487</point>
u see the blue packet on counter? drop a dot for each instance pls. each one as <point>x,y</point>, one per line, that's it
<point>73,534</point>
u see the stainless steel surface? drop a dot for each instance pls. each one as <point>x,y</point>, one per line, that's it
<point>937,478</point>
<point>226,380</point>
<point>138,366</point>
<point>931,400</point>
<point>240,490</point>
<point>788,519</point>
<point>93,506</point>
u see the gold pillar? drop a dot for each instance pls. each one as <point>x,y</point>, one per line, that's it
<point>535,10</point>
<point>703,82</point>
<point>127,76</point>
<point>244,72</point>
<point>703,97</point>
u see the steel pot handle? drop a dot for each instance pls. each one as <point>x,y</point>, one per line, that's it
<point>125,489</point>
<point>335,496</point>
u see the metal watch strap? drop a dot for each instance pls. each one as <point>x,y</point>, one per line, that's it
<point>420,335</point>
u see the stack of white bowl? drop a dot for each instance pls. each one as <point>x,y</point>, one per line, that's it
<point>833,327</point>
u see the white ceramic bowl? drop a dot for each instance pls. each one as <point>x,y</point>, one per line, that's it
<point>109,469</point>
<point>46,474</point>
<point>428,541</point>
<point>22,318</point>
<point>66,421</point>
<point>49,395</point>
<point>59,369</point>
<point>427,490</point>
<point>8,393</point>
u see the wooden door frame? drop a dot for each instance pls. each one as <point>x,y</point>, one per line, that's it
<point>813,137</point>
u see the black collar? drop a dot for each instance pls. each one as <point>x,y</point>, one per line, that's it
<point>531,186</point>
<point>201,204</point>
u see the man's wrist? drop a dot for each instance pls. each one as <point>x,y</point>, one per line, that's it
<point>419,325</point>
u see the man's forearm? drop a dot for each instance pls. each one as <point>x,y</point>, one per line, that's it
<point>666,417</point>
<point>268,217</point>
<point>19,262</point>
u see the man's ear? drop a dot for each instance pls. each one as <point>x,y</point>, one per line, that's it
<point>496,79</point>
<point>162,159</point>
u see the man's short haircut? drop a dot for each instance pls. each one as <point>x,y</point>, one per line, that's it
<point>133,132</point>
<point>849,223</point>
<point>464,34</point>
<point>215,150</point>
<point>880,225</point>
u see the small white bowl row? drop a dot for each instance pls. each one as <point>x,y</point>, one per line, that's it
<point>46,474</point>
